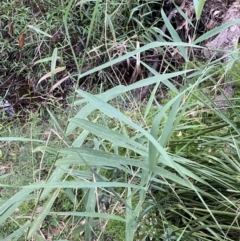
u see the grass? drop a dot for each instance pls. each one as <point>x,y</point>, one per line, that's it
<point>103,166</point>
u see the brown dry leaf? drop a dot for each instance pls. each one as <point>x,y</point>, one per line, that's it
<point>57,70</point>
<point>82,223</point>
<point>4,169</point>
<point>21,41</point>
<point>11,29</point>
<point>31,83</point>
<point>137,66</point>
<point>55,38</point>
<point>58,83</point>
<point>39,209</point>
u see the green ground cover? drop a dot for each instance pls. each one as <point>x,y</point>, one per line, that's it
<point>100,164</point>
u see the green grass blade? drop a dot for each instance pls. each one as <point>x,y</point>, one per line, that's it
<point>116,91</point>
<point>216,31</point>
<point>37,222</point>
<point>19,139</point>
<point>129,217</point>
<point>111,26</point>
<point>9,206</point>
<point>83,184</point>
<point>90,214</point>
<point>93,20</point>
<point>37,30</point>
<point>18,233</point>
<point>198,5</point>
<point>56,123</point>
<point>53,64</point>
<point>174,35</point>
<point>134,53</point>
<point>90,207</point>
<point>110,135</point>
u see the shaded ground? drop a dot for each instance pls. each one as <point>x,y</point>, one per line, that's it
<point>25,49</point>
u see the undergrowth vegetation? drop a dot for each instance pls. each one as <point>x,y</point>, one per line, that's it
<point>101,164</point>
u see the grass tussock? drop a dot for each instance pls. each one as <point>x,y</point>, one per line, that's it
<point>101,165</point>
